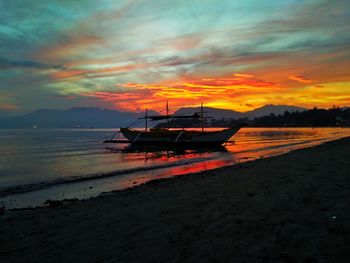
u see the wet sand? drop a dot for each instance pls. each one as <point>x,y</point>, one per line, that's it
<point>288,208</point>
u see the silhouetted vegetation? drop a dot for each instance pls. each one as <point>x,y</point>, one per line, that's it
<point>309,118</point>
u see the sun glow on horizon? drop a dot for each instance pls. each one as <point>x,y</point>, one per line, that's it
<point>241,93</point>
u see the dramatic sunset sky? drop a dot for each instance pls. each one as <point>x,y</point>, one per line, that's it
<point>129,55</point>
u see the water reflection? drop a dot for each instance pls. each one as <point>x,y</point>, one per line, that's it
<point>165,152</point>
<point>64,155</point>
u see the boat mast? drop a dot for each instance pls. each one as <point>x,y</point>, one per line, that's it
<point>146,117</point>
<point>167,114</point>
<point>202,117</point>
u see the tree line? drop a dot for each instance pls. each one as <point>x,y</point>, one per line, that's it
<point>309,118</point>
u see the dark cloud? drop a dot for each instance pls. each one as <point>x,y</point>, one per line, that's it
<point>174,61</point>
<point>7,64</point>
<point>66,97</point>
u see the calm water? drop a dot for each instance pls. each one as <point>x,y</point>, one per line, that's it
<point>36,165</point>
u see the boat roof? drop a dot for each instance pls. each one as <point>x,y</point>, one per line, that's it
<point>164,117</point>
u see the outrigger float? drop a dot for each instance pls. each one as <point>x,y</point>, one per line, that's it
<point>175,137</point>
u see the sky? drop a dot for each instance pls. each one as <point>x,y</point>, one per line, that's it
<point>136,54</point>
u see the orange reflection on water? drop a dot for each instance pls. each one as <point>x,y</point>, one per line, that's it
<point>249,144</point>
<point>173,171</point>
<point>196,167</point>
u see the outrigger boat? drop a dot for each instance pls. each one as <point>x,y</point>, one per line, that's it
<point>176,137</point>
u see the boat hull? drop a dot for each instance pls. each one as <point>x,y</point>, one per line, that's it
<point>178,137</point>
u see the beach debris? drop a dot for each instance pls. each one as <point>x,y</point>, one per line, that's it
<point>69,200</point>
<point>2,210</point>
<point>53,203</point>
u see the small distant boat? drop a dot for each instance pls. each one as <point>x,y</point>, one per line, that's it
<point>176,137</point>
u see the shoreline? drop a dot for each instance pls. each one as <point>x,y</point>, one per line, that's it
<point>285,208</point>
<point>31,196</point>
<point>32,190</point>
<point>26,188</point>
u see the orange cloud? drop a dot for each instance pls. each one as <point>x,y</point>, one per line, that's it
<point>8,106</point>
<point>238,80</point>
<point>69,73</point>
<point>183,43</point>
<point>301,79</point>
<point>224,92</point>
<point>94,73</point>
<point>109,96</point>
<point>74,43</point>
<point>214,91</point>
<point>243,75</point>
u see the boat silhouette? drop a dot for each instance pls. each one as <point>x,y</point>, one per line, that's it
<point>175,137</point>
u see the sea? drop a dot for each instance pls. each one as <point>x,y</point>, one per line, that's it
<point>37,165</point>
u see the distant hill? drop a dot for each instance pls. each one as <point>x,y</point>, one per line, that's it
<point>275,109</point>
<point>74,117</point>
<point>105,118</point>
<point>212,112</point>
<point>231,114</point>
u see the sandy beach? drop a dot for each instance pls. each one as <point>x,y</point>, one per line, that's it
<point>288,208</point>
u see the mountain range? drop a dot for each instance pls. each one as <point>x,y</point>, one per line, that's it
<point>105,118</point>
<point>84,117</point>
<point>231,114</point>
<point>275,109</point>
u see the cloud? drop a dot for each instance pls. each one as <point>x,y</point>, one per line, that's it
<point>8,106</point>
<point>300,79</point>
<point>6,101</point>
<point>241,75</point>
<point>8,64</point>
<point>65,97</point>
<point>103,72</point>
<point>159,49</point>
<point>187,91</point>
<point>70,44</point>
